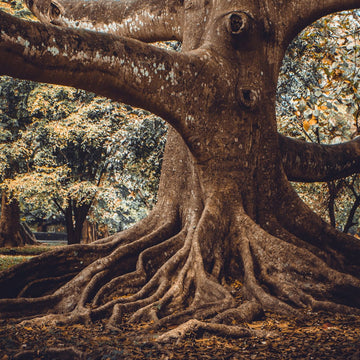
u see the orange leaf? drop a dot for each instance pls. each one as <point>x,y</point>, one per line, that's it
<point>313,120</point>
<point>306,125</point>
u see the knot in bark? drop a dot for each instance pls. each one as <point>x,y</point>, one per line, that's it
<point>238,23</point>
<point>248,97</point>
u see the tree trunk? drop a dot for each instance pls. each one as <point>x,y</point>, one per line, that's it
<point>226,212</point>
<point>89,232</point>
<point>75,218</point>
<point>12,232</point>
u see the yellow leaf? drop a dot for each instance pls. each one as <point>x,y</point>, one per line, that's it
<point>326,61</point>
<point>236,284</point>
<point>306,125</point>
<point>28,328</point>
<point>313,120</point>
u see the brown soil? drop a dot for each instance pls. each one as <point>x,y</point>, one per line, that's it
<point>316,336</point>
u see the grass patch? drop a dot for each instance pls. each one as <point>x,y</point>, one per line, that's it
<point>30,250</point>
<point>13,256</point>
<point>8,261</point>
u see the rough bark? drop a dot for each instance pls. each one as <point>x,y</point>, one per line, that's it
<point>311,162</point>
<point>159,18</point>
<point>12,232</point>
<point>75,217</point>
<point>88,233</point>
<point>226,210</point>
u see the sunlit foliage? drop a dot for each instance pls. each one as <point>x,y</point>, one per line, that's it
<point>319,101</point>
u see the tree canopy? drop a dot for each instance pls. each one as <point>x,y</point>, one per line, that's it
<point>318,101</point>
<point>68,149</point>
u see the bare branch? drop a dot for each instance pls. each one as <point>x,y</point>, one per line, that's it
<point>350,220</point>
<point>122,69</point>
<point>311,162</point>
<point>148,21</point>
<point>60,208</point>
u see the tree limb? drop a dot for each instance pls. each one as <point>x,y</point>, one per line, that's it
<point>60,208</point>
<point>148,21</point>
<point>310,162</point>
<point>122,69</point>
<point>301,13</point>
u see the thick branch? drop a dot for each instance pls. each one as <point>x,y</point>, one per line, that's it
<point>301,13</point>
<point>311,162</point>
<point>148,21</point>
<point>122,69</point>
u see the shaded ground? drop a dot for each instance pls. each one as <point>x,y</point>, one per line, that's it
<point>16,255</point>
<point>317,336</point>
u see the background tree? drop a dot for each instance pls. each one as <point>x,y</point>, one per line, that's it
<point>75,159</point>
<point>318,101</point>
<point>14,117</point>
<point>225,207</point>
<point>71,154</point>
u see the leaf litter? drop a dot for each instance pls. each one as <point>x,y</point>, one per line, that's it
<point>314,336</point>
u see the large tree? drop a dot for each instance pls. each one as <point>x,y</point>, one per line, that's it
<point>74,157</point>
<point>14,117</point>
<point>229,237</point>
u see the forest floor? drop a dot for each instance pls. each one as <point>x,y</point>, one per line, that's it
<point>316,336</point>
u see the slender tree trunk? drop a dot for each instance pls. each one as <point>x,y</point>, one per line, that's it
<point>89,232</point>
<point>12,233</point>
<point>75,217</point>
<point>350,220</point>
<point>332,193</point>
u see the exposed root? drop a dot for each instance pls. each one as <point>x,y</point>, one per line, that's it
<point>126,283</point>
<point>30,288</point>
<point>90,263</point>
<point>195,326</point>
<point>250,232</point>
<point>182,260</point>
<point>338,250</point>
<point>183,276</point>
<point>296,276</point>
<point>246,312</point>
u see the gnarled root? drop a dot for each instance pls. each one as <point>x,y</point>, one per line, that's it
<point>184,275</point>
